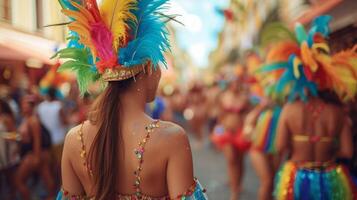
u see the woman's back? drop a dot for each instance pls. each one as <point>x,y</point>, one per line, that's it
<point>156,152</point>
<point>313,130</point>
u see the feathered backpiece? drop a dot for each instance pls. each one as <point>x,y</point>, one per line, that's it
<point>114,41</point>
<point>304,65</point>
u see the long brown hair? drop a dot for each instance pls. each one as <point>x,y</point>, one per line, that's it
<point>103,153</point>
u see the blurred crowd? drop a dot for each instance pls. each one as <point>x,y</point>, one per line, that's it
<point>33,126</point>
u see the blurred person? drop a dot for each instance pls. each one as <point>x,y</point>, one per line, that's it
<point>11,96</point>
<point>120,152</point>
<point>70,104</point>
<point>213,93</point>
<point>260,124</point>
<point>159,109</point>
<point>228,135</point>
<point>84,105</point>
<point>9,156</point>
<point>196,104</point>
<point>7,119</point>
<point>315,133</point>
<point>52,116</point>
<point>35,151</point>
<point>177,102</point>
<point>314,130</point>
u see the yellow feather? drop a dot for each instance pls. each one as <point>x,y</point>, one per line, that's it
<point>116,14</point>
<point>307,57</point>
<point>340,76</point>
<point>84,36</point>
<point>296,64</point>
<point>323,46</point>
<point>78,17</point>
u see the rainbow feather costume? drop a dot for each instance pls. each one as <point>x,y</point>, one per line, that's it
<point>265,131</point>
<point>323,183</point>
<point>301,66</point>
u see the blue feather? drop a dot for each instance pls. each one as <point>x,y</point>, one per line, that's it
<point>300,33</point>
<point>66,4</point>
<point>150,36</point>
<point>73,40</point>
<point>319,25</point>
<point>272,67</point>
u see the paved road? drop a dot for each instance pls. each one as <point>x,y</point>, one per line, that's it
<point>210,168</point>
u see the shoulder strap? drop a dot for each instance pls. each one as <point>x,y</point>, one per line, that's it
<point>139,153</point>
<point>83,152</point>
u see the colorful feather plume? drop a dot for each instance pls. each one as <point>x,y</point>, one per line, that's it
<point>149,35</point>
<point>305,67</point>
<point>120,34</point>
<point>116,14</point>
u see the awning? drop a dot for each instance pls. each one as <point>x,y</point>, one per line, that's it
<point>16,45</point>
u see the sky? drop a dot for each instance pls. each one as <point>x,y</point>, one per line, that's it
<point>202,24</point>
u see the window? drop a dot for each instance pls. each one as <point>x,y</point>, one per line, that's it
<point>5,10</point>
<point>39,14</point>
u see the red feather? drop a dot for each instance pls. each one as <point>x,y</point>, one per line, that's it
<point>92,7</point>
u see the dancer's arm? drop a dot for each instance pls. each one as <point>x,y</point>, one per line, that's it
<point>179,167</point>
<point>70,181</point>
<point>345,140</point>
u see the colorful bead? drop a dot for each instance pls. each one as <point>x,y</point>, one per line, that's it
<point>139,152</point>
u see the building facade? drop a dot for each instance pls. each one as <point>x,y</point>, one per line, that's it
<point>26,45</point>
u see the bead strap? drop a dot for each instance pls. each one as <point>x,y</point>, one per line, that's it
<point>83,152</point>
<point>139,153</point>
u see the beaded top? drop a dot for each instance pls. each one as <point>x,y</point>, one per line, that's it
<point>195,192</point>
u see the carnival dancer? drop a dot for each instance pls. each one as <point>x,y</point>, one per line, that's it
<point>313,126</point>
<point>197,105</point>
<point>261,123</point>
<point>120,152</point>
<point>227,135</point>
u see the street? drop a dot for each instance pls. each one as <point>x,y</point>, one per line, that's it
<point>210,169</point>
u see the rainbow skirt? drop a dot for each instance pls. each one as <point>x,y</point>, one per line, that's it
<point>265,131</point>
<point>294,182</point>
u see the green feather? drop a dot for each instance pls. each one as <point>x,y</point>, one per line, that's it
<point>275,32</point>
<point>79,63</point>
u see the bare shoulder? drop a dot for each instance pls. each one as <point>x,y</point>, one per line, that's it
<point>294,105</point>
<point>77,135</point>
<point>172,134</point>
<point>290,107</point>
<point>170,130</point>
<point>72,138</point>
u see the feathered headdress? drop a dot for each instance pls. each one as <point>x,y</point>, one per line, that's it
<point>114,41</point>
<point>304,64</point>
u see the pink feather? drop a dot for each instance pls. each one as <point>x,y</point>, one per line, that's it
<point>103,40</point>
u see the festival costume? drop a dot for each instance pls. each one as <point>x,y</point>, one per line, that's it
<point>222,137</point>
<point>313,181</point>
<point>265,131</point>
<point>116,42</point>
<point>303,66</point>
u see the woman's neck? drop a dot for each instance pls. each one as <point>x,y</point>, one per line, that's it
<point>133,106</point>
